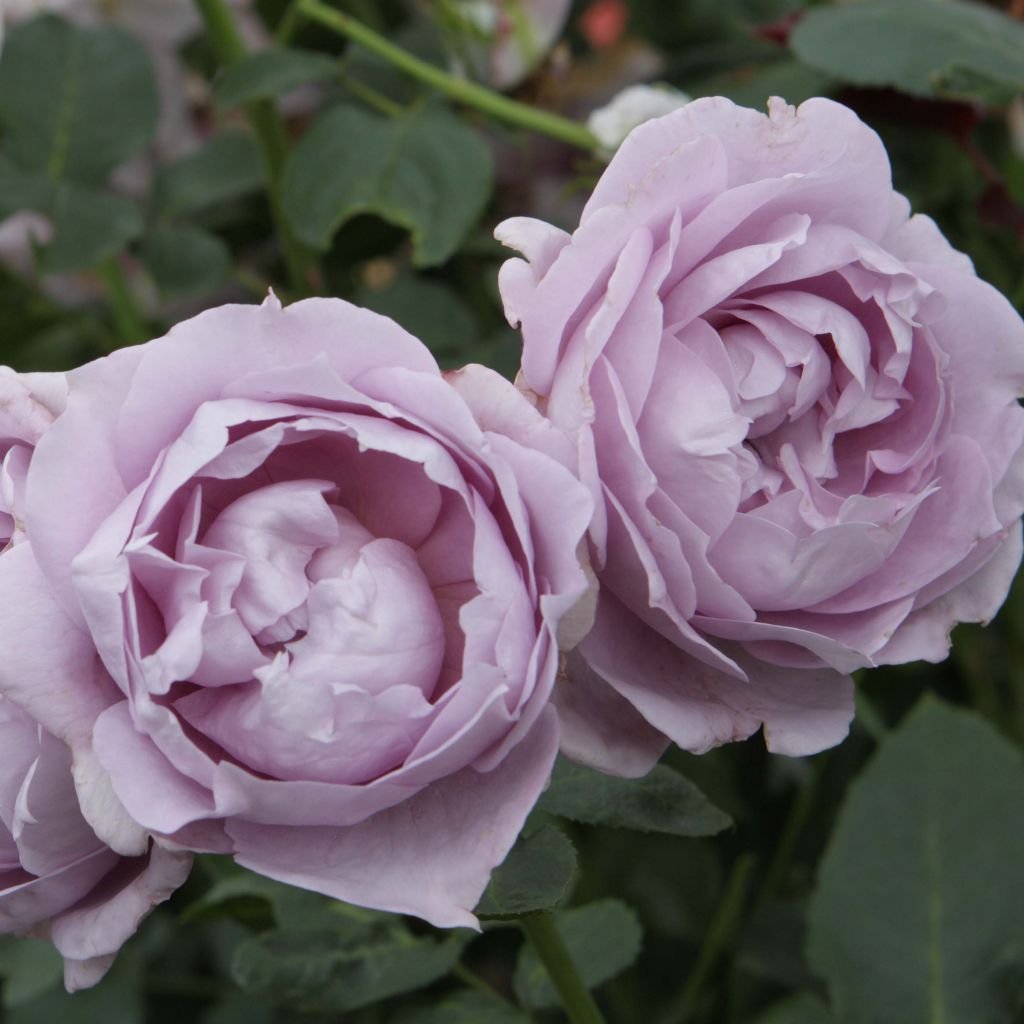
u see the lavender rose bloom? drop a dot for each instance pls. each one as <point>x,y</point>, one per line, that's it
<point>56,878</point>
<point>797,405</point>
<point>323,597</point>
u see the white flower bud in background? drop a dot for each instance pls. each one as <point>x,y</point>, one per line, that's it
<point>632,107</point>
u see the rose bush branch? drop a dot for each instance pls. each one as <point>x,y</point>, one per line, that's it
<point>542,934</point>
<point>269,130</point>
<point>717,941</point>
<point>128,319</point>
<point>479,97</point>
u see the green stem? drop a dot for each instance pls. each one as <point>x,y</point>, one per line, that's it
<point>271,139</point>
<point>130,323</point>
<point>543,935</point>
<point>477,96</point>
<point>372,98</point>
<point>716,941</point>
<point>799,812</point>
<point>287,26</point>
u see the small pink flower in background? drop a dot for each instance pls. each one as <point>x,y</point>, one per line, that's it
<point>604,23</point>
<point>288,594</point>
<point>797,407</point>
<point>630,108</point>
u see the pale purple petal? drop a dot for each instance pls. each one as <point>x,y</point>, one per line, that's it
<point>431,855</point>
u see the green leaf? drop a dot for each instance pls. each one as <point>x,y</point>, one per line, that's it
<point>661,801</point>
<point>603,938</point>
<point>924,47</point>
<point>253,898</point>
<point>464,1007</point>
<point>536,875</point>
<point>41,334</point>
<point>225,167</point>
<point>74,102</point>
<point>117,999</point>
<point>332,970</point>
<point>29,968</point>
<point>185,260</point>
<point>424,171</point>
<point>239,1008</point>
<point>88,226</point>
<point>801,1009</point>
<point>920,897</point>
<point>20,190</point>
<point>271,73</point>
<point>432,312</point>
<point>752,86</point>
<point>772,945</point>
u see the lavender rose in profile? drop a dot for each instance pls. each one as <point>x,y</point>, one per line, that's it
<point>797,405</point>
<point>323,597</point>
<point>56,878</point>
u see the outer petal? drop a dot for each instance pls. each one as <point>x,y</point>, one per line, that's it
<point>430,856</point>
<point>100,925</point>
<point>821,140</point>
<point>925,633</point>
<point>601,729</point>
<point>199,358</point>
<point>74,467</point>
<point>49,668</point>
<point>802,711</point>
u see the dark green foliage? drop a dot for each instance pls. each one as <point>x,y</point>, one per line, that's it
<point>78,113</point>
<point>185,260</point>
<point>535,876</point>
<point>918,907</point>
<point>332,967</point>
<point>662,801</point>
<point>924,47</point>
<point>271,73</point>
<point>464,1008</point>
<point>225,167</point>
<point>425,171</point>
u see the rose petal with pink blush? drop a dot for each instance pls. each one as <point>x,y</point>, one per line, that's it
<point>431,855</point>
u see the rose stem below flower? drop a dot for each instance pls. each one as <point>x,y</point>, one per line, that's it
<point>268,128</point>
<point>129,321</point>
<point>717,941</point>
<point>799,814</point>
<point>577,1001</point>
<point>470,93</point>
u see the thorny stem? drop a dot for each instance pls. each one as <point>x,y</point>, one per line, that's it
<point>543,935</point>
